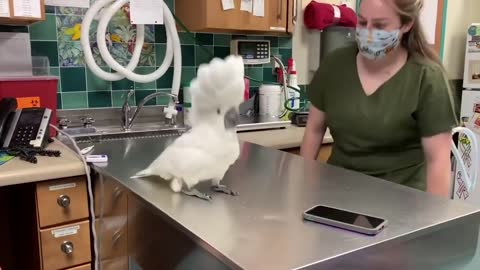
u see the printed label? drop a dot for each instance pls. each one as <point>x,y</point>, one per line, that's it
<point>4,8</point>
<point>65,231</point>
<point>63,186</point>
<point>28,102</point>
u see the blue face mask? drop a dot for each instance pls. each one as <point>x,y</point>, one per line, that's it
<point>376,44</point>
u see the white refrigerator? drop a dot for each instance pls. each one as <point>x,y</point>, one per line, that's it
<point>469,116</point>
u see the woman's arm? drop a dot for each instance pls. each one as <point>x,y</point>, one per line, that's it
<point>314,132</point>
<point>437,154</point>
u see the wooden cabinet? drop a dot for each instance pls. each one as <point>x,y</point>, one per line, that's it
<point>61,201</point>
<point>45,225</point>
<point>65,246</point>
<point>208,15</point>
<point>82,267</point>
<point>111,209</point>
<point>11,18</point>
<point>63,223</point>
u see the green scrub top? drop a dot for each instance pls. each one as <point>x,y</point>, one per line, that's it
<point>380,135</point>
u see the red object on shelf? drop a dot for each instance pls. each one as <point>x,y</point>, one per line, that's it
<point>322,15</point>
<point>246,93</point>
<point>39,91</point>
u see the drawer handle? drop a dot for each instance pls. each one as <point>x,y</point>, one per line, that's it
<point>117,192</point>
<point>280,10</point>
<point>116,236</point>
<point>67,247</point>
<point>63,201</point>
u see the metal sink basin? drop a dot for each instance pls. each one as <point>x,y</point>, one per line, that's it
<point>117,135</point>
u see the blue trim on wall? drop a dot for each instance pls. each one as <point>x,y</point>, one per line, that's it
<point>444,27</point>
<point>358,6</point>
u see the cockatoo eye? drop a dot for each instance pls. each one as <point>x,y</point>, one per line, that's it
<point>219,111</point>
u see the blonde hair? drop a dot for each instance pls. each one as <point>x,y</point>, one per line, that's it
<point>416,43</point>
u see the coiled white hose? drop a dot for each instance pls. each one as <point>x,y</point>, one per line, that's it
<point>470,179</point>
<point>173,49</point>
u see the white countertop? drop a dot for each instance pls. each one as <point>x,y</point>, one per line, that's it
<point>17,171</point>
<point>290,137</point>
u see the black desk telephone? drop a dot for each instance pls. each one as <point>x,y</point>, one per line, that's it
<point>27,127</point>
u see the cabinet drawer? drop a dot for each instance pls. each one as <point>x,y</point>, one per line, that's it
<point>65,246</point>
<point>120,263</point>
<point>81,267</point>
<point>61,201</point>
<point>113,240</point>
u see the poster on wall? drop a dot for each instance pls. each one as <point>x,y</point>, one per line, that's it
<point>68,3</point>
<point>472,58</point>
<point>473,38</point>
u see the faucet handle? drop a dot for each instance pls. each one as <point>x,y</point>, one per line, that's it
<point>63,122</point>
<point>172,121</point>
<point>88,121</point>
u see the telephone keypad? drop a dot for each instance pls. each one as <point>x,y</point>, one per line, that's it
<point>24,135</point>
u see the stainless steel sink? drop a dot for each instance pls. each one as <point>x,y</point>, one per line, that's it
<point>117,135</point>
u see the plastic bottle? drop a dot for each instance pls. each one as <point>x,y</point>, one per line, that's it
<point>293,82</point>
<point>270,100</point>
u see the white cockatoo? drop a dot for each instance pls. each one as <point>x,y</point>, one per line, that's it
<point>211,146</point>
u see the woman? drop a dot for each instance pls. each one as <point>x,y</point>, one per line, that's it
<point>387,101</point>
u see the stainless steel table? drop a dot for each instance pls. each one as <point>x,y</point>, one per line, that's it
<point>263,228</point>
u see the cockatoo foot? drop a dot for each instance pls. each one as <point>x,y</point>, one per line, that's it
<point>224,189</point>
<point>195,193</point>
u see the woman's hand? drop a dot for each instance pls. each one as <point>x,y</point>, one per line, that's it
<point>437,154</point>
<point>314,132</point>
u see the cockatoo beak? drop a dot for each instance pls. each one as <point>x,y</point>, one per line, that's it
<point>232,118</point>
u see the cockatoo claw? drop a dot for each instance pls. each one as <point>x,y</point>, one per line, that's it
<point>195,193</point>
<point>224,189</point>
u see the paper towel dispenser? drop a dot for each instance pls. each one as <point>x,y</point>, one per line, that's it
<point>326,41</point>
<point>335,37</point>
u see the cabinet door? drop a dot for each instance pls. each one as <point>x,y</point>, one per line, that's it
<point>111,224</point>
<point>235,19</point>
<point>292,16</point>
<point>208,15</point>
<point>25,19</point>
<point>277,15</point>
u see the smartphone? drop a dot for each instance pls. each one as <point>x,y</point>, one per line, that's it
<point>345,219</point>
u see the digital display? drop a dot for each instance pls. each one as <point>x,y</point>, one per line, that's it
<point>345,217</point>
<point>31,117</point>
<point>247,48</point>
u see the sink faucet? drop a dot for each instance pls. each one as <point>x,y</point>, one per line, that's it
<point>127,121</point>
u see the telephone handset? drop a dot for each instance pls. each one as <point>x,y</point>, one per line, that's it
<point>23,127</point>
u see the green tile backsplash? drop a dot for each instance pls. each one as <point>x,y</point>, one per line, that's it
<point>58,38</point>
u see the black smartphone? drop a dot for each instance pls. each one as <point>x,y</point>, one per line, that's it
<point>341,218</point>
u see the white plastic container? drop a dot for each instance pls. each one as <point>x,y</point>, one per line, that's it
<point>270,100</point>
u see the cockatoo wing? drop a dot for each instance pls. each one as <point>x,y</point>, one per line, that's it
<point>193,159</point>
